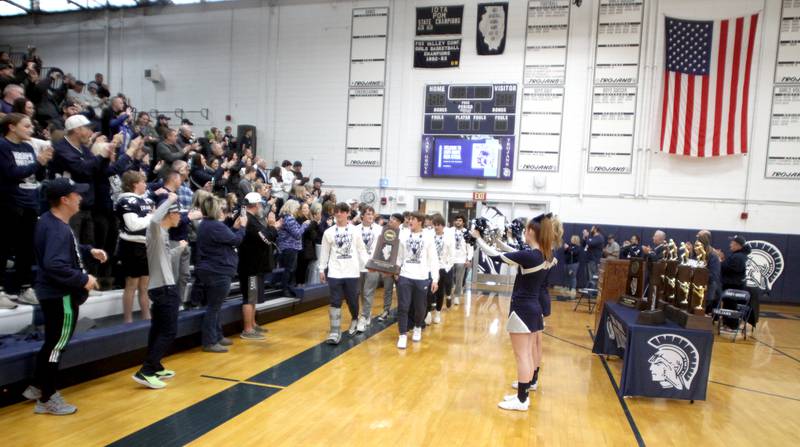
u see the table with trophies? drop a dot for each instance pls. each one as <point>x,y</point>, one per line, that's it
<point>661,331</point>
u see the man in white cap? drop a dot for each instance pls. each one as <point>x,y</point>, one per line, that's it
<point>256,258</point>
<point>74,159</point>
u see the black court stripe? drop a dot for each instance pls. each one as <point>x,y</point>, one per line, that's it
<point>567,341</point>
<point>755,391</point>
<point>776,349</point>
<point>196,420</point>
<point>625,409</point>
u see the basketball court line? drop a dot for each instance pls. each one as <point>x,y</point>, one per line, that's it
<point>625,409</point>
<point>776,349</point>
<point>196,420</point>
<point>755,391</point>
<point>567,341</point>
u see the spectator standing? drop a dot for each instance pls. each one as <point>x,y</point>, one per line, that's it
<point>593,242</point>
<point>21,170</point>
<point>290,242</point>
<point>217,263</point>
<point>572,259</point>
<point>612,248</point>
<point>10,94</point>
<point>168,149</point>
<point>62,285</point>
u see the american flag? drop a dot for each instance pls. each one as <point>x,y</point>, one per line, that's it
<point>706,86</point>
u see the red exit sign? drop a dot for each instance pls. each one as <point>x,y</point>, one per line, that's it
<point>479,196</point>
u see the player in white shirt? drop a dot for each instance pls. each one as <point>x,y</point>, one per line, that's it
<point>343,255</point>
<point>370,232</point>
<point>445,246</point>
<point>462,258</point>
<point>396,223</point>
<point>418,266</point>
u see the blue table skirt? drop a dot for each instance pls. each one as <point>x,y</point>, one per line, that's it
<point>658,361</point>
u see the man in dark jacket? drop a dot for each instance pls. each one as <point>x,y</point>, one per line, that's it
<point>168,149</point>
<point>734,266</point>
<point>256,258</point>
<point>73,159</point>
<point>62,285</point>
<point>593,244</point>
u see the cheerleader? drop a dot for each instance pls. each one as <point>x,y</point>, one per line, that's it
<point>525,315</point>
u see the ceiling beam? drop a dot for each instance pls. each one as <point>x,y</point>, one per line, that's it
<point>17,5</point>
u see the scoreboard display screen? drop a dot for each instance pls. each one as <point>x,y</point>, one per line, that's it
<point>468,131</point>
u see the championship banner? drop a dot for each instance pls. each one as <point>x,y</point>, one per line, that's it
<point>437,20</point>
<point>492,22</point>
<point>437,53</point>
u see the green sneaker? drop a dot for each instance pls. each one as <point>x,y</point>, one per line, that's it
<point>165,374</point>
<point>148,381</point>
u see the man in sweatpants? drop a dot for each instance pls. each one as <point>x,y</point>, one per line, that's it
<point>462,258</point>
<point>343,255</point>
<point>368,282</point>
<point>445,245</point>
<point>163,292</point>
<point>62,285</point>
<point>395,222</point>
<point>419,268</point>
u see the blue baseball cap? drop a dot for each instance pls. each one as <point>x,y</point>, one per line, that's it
<point>60,187</point>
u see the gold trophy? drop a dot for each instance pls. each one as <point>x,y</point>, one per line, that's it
<point>699,292</point>
<point>686,248</point>
<point>684,286</point>
<point>700,254</point>
<point>673,251</point>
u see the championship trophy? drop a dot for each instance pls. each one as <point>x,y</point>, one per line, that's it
<point>654,315</point>
<point>691,282</point>
<point>634,286</point>
<point>384,258</point>
<point>667,296</point>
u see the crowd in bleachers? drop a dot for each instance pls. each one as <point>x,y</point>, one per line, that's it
<point>55,125</point>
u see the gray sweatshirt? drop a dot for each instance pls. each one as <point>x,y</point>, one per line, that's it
<point>159,255</point>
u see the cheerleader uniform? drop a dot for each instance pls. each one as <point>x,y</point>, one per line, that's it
<point>526,313</point>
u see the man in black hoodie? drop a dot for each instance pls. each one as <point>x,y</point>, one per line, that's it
<point>734,266</point>
<point>256,258</point>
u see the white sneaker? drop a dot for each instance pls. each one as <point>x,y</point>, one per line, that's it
<point>456,301</point>
<point>515,404</point>
<point>28,297</point>
<point>417,334</point>
<point>437,317</point>
<point>6,303</point>
<point>353,327</point>
<point>402,341</point>
<point>361,326</point>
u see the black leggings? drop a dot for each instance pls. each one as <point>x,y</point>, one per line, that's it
<point>436,300</point>
<point>60,316</point>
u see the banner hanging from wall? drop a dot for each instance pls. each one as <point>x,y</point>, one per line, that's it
<point>437,20</point>
<point>491,34</point>
<point>437,53</point>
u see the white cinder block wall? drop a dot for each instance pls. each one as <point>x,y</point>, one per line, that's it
<point>283,66</point>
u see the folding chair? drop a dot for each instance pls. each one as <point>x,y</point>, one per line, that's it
<point>589,295</point>
<point>740,299</point>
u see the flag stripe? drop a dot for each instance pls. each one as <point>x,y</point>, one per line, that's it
<point>737,48</point>
<point>664,107</point>
<point>676,102</point>
<point>746,88</point>
<point>687,131</point>
<point>723,44</point>
<point>701,133</point>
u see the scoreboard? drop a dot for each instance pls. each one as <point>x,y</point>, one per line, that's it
<point>469,130</point>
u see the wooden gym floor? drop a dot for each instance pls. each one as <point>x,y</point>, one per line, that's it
<point>290,390</point>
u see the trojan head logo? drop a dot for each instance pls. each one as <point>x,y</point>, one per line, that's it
<point>439,240</point>
<point>675,361</point>
<point>764,264</point>
<point>344,244</point>
<point>459,239</point>
<point>414,248</point>
<point>367,236</point>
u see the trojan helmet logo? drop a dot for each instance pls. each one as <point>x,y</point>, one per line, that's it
<point>764,264</point>
<point>675,361</point>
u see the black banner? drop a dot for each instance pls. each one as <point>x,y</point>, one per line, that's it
<point>433,20</point>
<point>437,53</point>
<point>491,34</point>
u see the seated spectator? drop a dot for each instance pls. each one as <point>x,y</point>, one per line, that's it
<point>134,211</point>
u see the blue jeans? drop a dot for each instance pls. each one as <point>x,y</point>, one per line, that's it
<point>214,288</point>
<point>572,272</point>
<point>288,260</point>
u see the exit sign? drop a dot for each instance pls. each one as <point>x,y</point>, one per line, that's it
<point>479,196</point>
